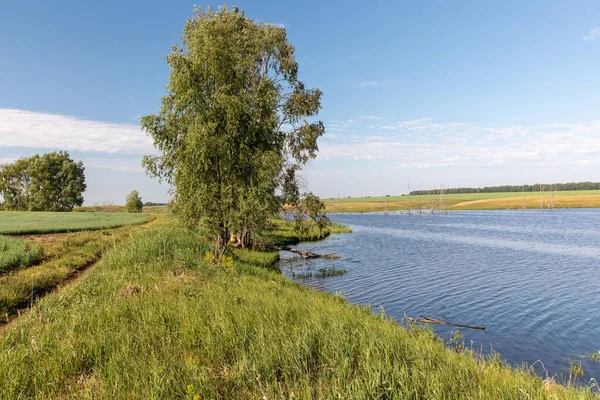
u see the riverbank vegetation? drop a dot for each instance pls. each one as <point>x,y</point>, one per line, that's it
<point>155,319</point>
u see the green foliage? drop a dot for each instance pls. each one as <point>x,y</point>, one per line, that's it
<point>26,223</point>
<point>18,254</point>
<point>307,212</point>
<point>232,125</point>
<point>134,202</point>
<point>155,321</point>
<point>281,232</point>
<point>50,182</point>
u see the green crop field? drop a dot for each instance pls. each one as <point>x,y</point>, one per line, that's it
<point>25,223</point>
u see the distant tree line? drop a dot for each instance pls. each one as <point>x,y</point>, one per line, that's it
<point>515,188</point>
<point>49,182</point>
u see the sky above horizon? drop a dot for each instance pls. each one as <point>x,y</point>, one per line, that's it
<point>419,94</point>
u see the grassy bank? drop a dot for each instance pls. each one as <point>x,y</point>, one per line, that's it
<point>469,201</point>
<point>155,320</point>
<point>28,223</point>
<point>281,232</point>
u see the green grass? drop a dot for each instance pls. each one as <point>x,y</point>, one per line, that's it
<point>282,233</point>
<point>153,320</point>
<point>26,223</point>
<point>18,254</point>
<point>63,255</point>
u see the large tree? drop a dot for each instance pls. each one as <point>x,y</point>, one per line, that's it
<point>233,128</point>
<point>50,182</point>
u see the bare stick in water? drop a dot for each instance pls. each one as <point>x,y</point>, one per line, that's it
<point>426,320</point>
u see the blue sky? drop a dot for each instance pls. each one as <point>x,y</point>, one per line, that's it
<point>465,93</point>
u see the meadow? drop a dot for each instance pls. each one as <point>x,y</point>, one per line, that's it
<point>469,201</point>
<point>36,264</point>
<point>26,223</point>
<point>155,319</point>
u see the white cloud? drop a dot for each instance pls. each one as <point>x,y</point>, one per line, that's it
<point>594,34</point>
<point>20,128</point>
<point>424,143</point>
<point>130,164</point>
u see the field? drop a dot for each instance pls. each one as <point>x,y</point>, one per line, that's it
<point>25,223</point>
<point>469,201</point>
<point>155,320</point>
<point>61,257</point>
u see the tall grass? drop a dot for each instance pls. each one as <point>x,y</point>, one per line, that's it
<point>154,320</point>
<point>282,233</point>
<point>62,257</point>
<point>18,254</point>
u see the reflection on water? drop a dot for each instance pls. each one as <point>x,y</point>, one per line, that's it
<point>530,277</point>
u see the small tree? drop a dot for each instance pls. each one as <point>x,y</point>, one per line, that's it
<point>134,203</point>
<point>310,208</point>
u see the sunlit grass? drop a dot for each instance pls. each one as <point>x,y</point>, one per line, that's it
<point>63,255</point>
<point>281,232</point>
<point>483,201</point>
<point>154,320</point>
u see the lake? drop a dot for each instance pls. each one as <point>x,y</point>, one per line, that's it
<point>530,277</point>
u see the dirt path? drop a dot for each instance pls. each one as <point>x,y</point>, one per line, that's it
<point>10,320</point>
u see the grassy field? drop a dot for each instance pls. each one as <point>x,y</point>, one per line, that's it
<point>60,257</point>
<point>16,253</point>
<point>25,223</point>
<point>154,320</point>
<point>469,201</point>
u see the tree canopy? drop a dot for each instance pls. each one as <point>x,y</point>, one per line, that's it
<point>234,127</point>
<point>50,182</point>
<point>134,202</point>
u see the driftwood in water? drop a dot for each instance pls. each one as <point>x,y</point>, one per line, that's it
<point>426,320</point>
<point>303,253</point>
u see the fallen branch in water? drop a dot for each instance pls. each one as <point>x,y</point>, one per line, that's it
<point>426,320</point>
<point>303,253</point>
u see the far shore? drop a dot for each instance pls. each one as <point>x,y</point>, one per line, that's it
<point>468,201</point>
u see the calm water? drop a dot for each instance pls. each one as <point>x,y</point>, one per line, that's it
<point>530,277</point>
